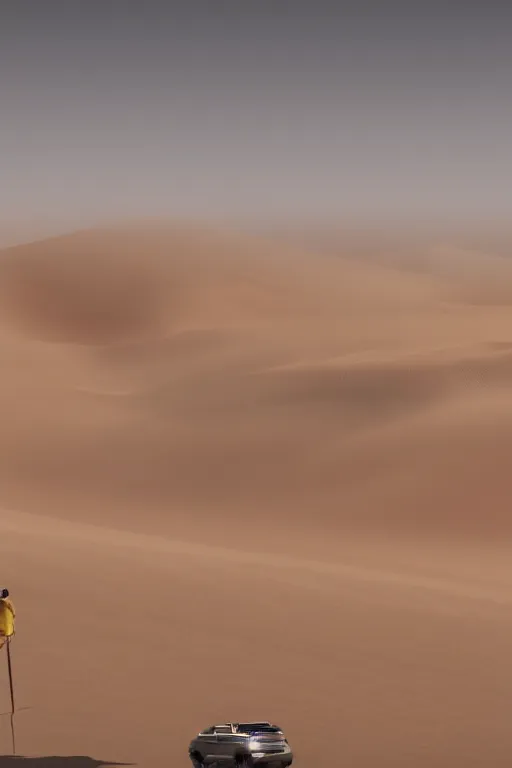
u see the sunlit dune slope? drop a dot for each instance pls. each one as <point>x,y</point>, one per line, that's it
<point>186,372</point>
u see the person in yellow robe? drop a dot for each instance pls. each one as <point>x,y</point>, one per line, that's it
<point>7,617</point>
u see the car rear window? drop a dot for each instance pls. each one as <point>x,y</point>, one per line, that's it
<point>256,728</point>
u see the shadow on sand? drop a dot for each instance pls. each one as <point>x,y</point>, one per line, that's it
<point>9,761</point>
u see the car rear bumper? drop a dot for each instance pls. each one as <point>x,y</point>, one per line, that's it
<point>271,759</point>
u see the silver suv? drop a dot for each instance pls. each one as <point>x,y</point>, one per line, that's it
<point>241,744</point>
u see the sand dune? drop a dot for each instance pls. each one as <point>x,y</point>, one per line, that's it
<point>287,464</point>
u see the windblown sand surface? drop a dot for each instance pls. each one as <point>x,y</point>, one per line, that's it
<point>242,478</point>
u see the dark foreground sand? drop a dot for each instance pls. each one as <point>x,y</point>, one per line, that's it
<point>243,479</point>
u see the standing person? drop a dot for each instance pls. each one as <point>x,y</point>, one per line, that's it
<point>7,617</point>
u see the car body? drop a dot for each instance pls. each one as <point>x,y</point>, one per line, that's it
<point>256,743</point>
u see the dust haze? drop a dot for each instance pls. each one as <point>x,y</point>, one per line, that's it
<point>257,475</point>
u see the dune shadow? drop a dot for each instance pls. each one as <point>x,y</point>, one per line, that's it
<point>76,761</point>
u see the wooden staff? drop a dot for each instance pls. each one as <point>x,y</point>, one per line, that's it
<point>9,667</point>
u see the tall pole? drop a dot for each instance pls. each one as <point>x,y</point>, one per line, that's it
<point>13,734</point>
<point>9,666</point>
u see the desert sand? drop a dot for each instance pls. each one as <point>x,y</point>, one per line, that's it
<point>248,476</point>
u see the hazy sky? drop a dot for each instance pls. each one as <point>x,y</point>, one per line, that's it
<point>254,108</point>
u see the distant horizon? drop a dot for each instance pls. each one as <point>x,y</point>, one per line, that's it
<point>396,230</point>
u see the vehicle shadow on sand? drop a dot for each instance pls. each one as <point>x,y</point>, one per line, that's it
<point>78,761</point>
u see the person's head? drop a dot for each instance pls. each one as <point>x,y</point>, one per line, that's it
<point>4,593</point>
